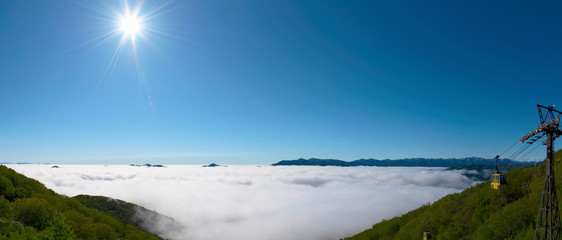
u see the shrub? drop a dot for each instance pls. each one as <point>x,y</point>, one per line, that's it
<point>34,212</point>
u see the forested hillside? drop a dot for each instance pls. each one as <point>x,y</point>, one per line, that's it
<point>31,211</point>
<point>478,212</point>
<point>147,220</point>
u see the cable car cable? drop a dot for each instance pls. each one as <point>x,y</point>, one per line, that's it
<point>514,155</point>
<point>515,143</point>
<point>537,146</point>
<point>516,151</point>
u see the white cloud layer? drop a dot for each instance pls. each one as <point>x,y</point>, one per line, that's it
<point>251,202</point>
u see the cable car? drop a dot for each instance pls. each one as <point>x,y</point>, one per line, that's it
<point>497,178</point>
<point>426,235</point>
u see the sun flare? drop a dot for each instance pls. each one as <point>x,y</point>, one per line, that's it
<point>130,25</point>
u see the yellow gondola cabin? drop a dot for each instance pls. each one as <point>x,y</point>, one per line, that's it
<point>497,180</point>
<point>426,235</point>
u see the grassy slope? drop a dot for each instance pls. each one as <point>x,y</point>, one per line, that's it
<point>478,212</point>
<point>31,211</point>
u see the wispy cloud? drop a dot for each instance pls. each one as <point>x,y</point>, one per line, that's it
<point>249,202</point>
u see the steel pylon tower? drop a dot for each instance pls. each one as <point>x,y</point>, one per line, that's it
<point>548,219</point>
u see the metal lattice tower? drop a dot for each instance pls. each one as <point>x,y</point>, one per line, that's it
<point>548,219</point>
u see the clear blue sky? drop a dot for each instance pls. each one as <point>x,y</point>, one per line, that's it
<point>254,82</point>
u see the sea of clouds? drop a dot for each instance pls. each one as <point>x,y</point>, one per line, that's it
<point>258,202</point>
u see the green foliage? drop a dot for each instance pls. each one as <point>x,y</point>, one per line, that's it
<point>31,211</point>
<point>104,231</point>
<point>127,212</point>
<point>35,212</point>
<point>59,229</point>
<point>15,231</point>
<point>82,225</point>
<point>478,212</point>
<point>5,208</point>
<point>120,210</point>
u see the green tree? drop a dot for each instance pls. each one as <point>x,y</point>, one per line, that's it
<point>5,208</point>
<point>35,212</point>
<point>83,226</point>
<point>59,229</point>
<point>104,232</point>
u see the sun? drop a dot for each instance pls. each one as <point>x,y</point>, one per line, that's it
<point>130,25</point>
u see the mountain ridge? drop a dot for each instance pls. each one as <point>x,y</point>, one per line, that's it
<point>405,162</point>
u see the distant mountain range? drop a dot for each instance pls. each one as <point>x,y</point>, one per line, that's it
<point>146,165</point>
<point>407,162</point>
<point>480,172</point>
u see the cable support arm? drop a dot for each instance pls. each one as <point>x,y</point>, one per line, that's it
<point>541,128</point>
